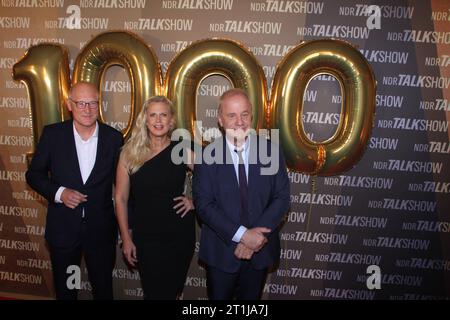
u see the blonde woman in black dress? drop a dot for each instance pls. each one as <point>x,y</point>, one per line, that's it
<point>163,238</point>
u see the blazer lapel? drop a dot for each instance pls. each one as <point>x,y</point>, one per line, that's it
<point>253,168</point>
<point>228,178</point>
<point>229,167</point>
<point>72,159</point>
<point>101,148</point>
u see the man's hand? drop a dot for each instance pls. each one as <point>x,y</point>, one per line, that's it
<point>72,198</point>
<point>242,252</point>
<point>254,238</point>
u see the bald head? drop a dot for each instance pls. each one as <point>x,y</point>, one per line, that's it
<point>234,92</point>
<point>83,88</point>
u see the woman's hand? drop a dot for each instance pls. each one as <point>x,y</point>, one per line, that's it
<point>184,205</point>
<point>129,252</point>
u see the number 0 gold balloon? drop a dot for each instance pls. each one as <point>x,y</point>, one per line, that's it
<point>214,57</point>
<point>129,51</point>
<point>357,81</point>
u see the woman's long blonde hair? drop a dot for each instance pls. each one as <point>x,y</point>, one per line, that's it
<point>137,148</point>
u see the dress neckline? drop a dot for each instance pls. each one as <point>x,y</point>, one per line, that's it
<point>159,153</point>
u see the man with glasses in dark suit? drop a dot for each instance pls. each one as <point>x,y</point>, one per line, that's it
<point>74,168</point>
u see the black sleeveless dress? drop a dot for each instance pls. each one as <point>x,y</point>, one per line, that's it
<point>164,241</point>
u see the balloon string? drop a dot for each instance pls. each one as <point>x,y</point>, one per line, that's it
<point>313,191</point>
<point>284,242</point>
<point>188,193</point>
<point>284,247</point>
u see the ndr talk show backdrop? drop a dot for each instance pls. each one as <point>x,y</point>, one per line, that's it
<point>392,209</point>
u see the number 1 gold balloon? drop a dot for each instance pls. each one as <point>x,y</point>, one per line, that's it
<point>45,71</point>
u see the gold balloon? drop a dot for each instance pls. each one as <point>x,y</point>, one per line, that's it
<point>45,71</point>
<point>358,88</point>
<point>214,57</point>
<point>129,51</point>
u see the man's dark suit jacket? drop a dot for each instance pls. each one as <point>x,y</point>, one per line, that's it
<point>217,202</point>
<point>55,164</point>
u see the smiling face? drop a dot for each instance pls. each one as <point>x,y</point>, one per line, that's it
<point>83,118</point>
<point>159,119</point>
<point>235,117</point>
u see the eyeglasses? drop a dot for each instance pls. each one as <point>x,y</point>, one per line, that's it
<point>84,104</point>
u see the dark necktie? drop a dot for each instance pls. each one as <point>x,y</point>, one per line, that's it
<point>243,190</point>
